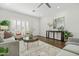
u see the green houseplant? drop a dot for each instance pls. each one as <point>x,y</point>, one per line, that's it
<point>5,23</point>
<point>67,34</point>
<point>3,51</point>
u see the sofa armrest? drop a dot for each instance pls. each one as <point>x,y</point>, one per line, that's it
<point>72,48</point>
<point>66,53</point>
<point>13,47</point>
<point>72,41</point>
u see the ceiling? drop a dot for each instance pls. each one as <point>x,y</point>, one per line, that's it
<point>43,11</point>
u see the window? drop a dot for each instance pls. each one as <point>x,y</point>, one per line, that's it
<point>18,25</point>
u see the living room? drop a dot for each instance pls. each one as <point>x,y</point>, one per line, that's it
<point>31,21</point>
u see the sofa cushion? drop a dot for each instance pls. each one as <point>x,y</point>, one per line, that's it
<point>1,36</point>
<point>9,39</point>
<point>72,48</point>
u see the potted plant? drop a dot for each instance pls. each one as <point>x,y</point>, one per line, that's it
<point>4,24</point>
<point>67,34</point>
<point>3,51</point>
<point>50,25</point>
<point>61,28</point>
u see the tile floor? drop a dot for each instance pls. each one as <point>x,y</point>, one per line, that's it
<point>43,49</point>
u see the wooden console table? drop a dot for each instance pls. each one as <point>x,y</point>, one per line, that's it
<point>62,34</point>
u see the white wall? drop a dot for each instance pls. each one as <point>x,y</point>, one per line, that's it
<point>71,21</point>
<point>12,16</point>
<point>43,25</point>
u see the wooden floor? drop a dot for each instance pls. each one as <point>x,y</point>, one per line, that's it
<point>53,42</point>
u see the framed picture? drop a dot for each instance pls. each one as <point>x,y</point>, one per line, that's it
<point>58,23</point>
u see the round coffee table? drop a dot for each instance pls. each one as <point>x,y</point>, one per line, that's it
<point>29,41</point>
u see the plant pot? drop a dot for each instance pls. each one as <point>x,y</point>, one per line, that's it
<point>2,27</point>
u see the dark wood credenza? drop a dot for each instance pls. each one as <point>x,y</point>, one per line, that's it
<point>54,32</point>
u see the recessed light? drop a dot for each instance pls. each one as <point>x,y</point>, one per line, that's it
<point>58,6</point>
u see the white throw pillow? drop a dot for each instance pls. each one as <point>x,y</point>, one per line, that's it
<point>1,36</point>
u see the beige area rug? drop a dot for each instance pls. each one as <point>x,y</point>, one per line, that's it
<point>43,49</point>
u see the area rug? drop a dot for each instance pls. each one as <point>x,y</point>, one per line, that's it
<point>43,49</point>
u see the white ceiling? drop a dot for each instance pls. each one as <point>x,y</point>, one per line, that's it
<point>43,11</point>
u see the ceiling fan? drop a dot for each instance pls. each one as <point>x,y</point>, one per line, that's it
<point>47,4</point>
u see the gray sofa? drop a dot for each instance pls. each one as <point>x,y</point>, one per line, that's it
<point>71,48</point>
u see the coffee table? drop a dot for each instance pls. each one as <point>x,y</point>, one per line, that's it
<point>30,41</point>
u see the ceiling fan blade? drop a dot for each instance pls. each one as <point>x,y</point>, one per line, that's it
<point>39,5</point>
<point>48,5</point>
